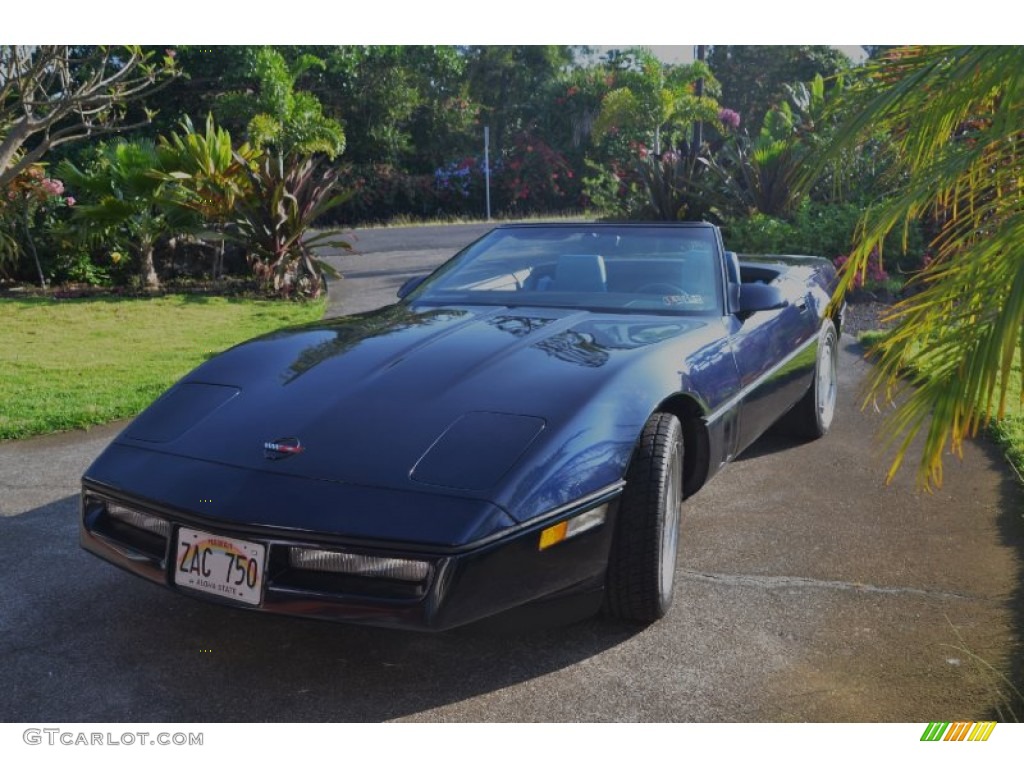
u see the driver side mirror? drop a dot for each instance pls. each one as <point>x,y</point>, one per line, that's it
<point>410,285</point>
<point>758,297</point>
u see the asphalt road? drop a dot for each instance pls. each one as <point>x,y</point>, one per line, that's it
<point>807,591</point>
<point>382,259</point>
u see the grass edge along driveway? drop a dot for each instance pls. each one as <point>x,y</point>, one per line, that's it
<point>67,364</point>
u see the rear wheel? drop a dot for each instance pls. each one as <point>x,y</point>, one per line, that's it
<point>642,564</point>
<point>811,418</point>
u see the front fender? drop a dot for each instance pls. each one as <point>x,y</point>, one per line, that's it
<point>592,448</point>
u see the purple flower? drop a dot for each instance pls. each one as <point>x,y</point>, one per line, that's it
<point>70,201</point>
<point>729,117</point>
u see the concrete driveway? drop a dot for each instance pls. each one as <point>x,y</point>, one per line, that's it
<point>808,590</point>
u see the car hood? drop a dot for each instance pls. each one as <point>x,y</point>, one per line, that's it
<point>421,399</point>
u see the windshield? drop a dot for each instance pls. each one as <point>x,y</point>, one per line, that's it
<point>612,268</point>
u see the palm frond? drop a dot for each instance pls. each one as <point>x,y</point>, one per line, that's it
<point>955,116</point>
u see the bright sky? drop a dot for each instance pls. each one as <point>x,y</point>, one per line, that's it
<point>653,23</point>
<point>684,54</point>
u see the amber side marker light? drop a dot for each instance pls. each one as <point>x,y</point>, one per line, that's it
<point>573,526</point>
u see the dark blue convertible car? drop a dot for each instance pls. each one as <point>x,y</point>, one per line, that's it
<point>524,424</point>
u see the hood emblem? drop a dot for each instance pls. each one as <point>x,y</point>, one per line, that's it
<point>282,448</point>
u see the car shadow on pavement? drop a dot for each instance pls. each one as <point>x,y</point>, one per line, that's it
<point>775,440</point>
<point>84,641</point>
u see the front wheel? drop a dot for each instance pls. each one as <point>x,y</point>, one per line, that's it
<point>642,563</point>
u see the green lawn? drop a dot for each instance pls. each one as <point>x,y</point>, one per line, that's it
<point>1008,431</point>
<point>74,363</point>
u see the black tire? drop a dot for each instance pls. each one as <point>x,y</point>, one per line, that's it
<point>641,566</point>
<point>812,416</point>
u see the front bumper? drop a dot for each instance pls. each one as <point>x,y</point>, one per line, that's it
<point>462,584</point>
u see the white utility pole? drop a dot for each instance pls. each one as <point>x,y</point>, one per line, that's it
<point>487,168</point>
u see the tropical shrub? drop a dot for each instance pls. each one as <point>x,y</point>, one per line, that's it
<point>205,176</point>
<point>673,186</point>
<point>759,233</point>
<point>126,212</point>
<point>287,195</point>
<point>818,229</point>
<point>613,190</point>
<point>755,176</point>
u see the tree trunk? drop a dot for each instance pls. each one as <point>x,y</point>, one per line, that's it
<point>150,279</point>
<point>218,261</point>
<point>32,244</point>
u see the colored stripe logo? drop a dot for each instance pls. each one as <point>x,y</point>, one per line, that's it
<point>959,731</point>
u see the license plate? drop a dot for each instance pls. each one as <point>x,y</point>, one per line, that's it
<point>219,565</point>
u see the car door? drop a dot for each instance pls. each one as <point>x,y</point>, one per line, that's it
<point>774,352</point>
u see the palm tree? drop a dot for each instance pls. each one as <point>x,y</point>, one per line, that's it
<point>123,180</point>
<point>955,116</point>
<point>656,102</point>
<point>206,176</point>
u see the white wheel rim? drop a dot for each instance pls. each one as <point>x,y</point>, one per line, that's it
<point>826,385</point>
<point>670,527</point>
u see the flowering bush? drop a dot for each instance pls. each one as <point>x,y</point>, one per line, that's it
<point>382,192</point>
<point>531,176</point>
<point>30,209</point>
<point>456,177</point>
<point>32,186</point>
<point>535,177</point>
<point>874,275</point>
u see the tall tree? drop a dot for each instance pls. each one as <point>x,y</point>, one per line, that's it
<point>753,77</point>
<point>955,117</point>
<point>54,94</point>
<point>400,104</point>
<point>655,103</point>
<point>257,92</point>
<point>507,81</point>
<point>280,114</point>
<point>205,74</point>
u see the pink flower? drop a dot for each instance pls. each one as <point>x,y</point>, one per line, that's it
<point>729,117</point>
<point>70,201</point>
<point>52,186</point>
